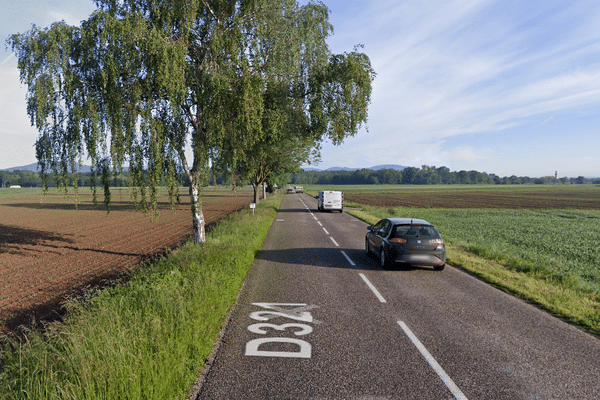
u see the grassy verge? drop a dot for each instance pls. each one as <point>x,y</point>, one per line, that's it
<point>549,257</point>
<point>146,338</point>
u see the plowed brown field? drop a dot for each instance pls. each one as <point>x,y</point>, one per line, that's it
<point>586,198</point>
<point>49,250</point>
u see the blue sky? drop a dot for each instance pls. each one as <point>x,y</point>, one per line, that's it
<point>504,87</point>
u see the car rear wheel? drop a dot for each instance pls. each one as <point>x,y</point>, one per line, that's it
<point>383,261</point>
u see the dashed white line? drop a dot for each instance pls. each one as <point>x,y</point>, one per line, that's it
<point>434,364</point>
<point>458,394</point>
<point>348,258</point>
<point>319,222</point>
<point>373,288</point>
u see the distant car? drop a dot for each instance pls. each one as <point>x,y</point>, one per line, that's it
<point>299,189</point>
<point>406,240</point>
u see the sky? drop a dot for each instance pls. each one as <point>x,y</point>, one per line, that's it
<point>498,86</point>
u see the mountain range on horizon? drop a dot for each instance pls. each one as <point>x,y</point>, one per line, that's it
<point>34,167</point>
<point>373,168</point>
<point>86,168</point>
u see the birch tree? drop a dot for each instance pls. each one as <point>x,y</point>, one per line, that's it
<point>141,81</point>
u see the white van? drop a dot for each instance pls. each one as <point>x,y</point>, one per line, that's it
<point>330,200</point>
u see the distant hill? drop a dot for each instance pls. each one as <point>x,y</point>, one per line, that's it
<point>340,169</point>
<point>34,167</point>
<point>388,166</point>
<point>374,168</point>
<point>86,168</point>
<point>30,167</point>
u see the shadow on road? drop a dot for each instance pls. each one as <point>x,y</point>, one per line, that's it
<point>328,257</point>
<point>293,210</point>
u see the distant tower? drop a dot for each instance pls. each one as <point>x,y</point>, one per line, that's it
<point>555,174</point>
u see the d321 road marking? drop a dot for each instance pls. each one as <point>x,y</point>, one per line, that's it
<point>294,311</point>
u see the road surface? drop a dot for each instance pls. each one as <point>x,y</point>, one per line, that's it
<point>318,319</point>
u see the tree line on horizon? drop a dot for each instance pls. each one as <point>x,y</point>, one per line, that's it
<point>29,179</point>
<point>426,175</point>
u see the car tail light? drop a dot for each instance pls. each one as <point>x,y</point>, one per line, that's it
<point>398,240</point>
<point>437,241</point>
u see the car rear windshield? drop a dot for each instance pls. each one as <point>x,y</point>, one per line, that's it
<point>414,231</point>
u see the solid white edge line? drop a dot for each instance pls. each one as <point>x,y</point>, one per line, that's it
<point>373,288</point>
<point>348,258</point>
<point>434,364</point>
<point>326,231</point>
<point>334,242</point>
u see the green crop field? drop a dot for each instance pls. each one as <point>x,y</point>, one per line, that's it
<point>560,245</point>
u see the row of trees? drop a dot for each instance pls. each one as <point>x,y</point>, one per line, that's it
<point>28,178</point>
<point>21,178</point>
<point>249,84</point>
<point>426,175</point>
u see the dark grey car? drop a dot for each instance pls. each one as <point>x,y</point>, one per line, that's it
<point>406,240</point>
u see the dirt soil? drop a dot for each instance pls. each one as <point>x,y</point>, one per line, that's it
<point>50,251</point>
<point>517,199</point>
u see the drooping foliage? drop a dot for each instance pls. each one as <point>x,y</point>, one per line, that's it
<point>156,86</point>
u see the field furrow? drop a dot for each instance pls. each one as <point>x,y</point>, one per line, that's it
<point>49,249</point>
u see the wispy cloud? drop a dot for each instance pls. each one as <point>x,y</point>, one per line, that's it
<point>472,67</point>
<point>70,19</point>
<point>7,59</point>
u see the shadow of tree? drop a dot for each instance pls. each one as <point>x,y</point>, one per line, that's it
<point>53,309</point>
<point>333,258</point>
<point>319,257</point>
<point>12,238</point>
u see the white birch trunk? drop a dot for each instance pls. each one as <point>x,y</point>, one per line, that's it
<point>197,215</point>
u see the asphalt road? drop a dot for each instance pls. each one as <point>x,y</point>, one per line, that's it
<point>318,319</point>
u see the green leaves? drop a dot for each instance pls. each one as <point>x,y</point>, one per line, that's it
<point>346,95</point>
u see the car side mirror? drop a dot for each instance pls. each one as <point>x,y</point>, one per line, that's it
<point>370,228</point>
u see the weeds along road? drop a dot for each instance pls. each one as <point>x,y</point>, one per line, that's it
<point>318,319</point>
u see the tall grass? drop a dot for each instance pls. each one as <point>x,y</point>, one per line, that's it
<point>147,338</point>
